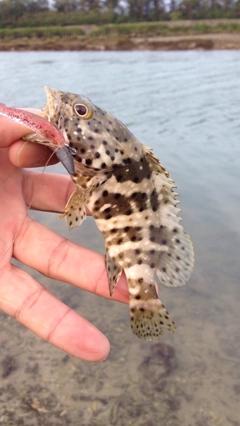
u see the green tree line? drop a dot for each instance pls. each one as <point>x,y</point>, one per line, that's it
<point>27,13</point>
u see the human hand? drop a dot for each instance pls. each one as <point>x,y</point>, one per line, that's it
<point>38,247</point>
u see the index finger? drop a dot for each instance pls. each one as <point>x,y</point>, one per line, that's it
<point>11,131</point>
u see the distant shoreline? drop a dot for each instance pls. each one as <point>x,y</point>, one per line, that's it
<point>171,35</point>
<point>189,42</point>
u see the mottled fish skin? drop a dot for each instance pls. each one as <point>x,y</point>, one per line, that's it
<point>132,200</point>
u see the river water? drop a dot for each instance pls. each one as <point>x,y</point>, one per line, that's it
<point>186,106</point>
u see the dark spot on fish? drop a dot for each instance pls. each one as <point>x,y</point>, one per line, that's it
<point>119,178</point>
<point>90,138</point>
<point>79,159</point>
<point>105,143</point>
<point>175,230</point>
<point>177,269</point>
<point>152,265</point>
<point>117,196</point>
<point>97,155</point>
<point>83,150</point>
<point>96,130</point>
<point>177,241</point>
<point>105,193</point>
<point>137,251</point>
<point>140,280</point>
<point>139,262</point>
<point>108,152</point>
<point>88,162</point>
<point>103,165</point>
<point>107,210</point>
<point>138,297</point>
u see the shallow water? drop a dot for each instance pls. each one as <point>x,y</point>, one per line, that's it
<point>185,105</point>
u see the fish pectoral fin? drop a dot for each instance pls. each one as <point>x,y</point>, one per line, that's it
<point>148,315</point>
<point>114,271</point>
<point>75,210</point>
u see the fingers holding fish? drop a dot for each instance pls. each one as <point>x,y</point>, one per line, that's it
<point>36,308</point>
<point>40,131</point>
<point>23,153</point>
<point>56,257</point>
<point>11,131</point>
<point>27,154</point>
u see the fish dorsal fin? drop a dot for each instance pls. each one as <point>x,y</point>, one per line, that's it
<point>176,259</point>
<point>114,271</point>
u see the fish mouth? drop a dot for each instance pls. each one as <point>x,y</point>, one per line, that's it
<point>64,154</point>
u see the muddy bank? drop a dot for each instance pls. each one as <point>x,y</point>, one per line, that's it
<point>187,42</point>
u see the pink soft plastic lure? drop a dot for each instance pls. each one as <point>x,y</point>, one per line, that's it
<point>44,133</point>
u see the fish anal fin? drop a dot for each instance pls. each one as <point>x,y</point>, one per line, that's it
<point>114,271</point>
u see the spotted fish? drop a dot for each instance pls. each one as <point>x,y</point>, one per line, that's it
<point>132,200</point>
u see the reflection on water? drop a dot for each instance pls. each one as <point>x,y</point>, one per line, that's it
<point>186,106</point>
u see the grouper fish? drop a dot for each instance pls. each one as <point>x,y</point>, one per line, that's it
<point>132,199</point>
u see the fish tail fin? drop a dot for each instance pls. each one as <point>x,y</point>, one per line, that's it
<point>148,315</point>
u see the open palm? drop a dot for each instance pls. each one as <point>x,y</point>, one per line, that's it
<point>35,245</point>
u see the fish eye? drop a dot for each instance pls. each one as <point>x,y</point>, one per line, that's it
<point>83,111</point>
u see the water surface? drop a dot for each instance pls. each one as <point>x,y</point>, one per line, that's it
<point>185,105</point>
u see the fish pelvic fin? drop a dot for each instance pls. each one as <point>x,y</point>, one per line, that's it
<point>114,271</point>
<point>74,212</point>
<point>148,315</point>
